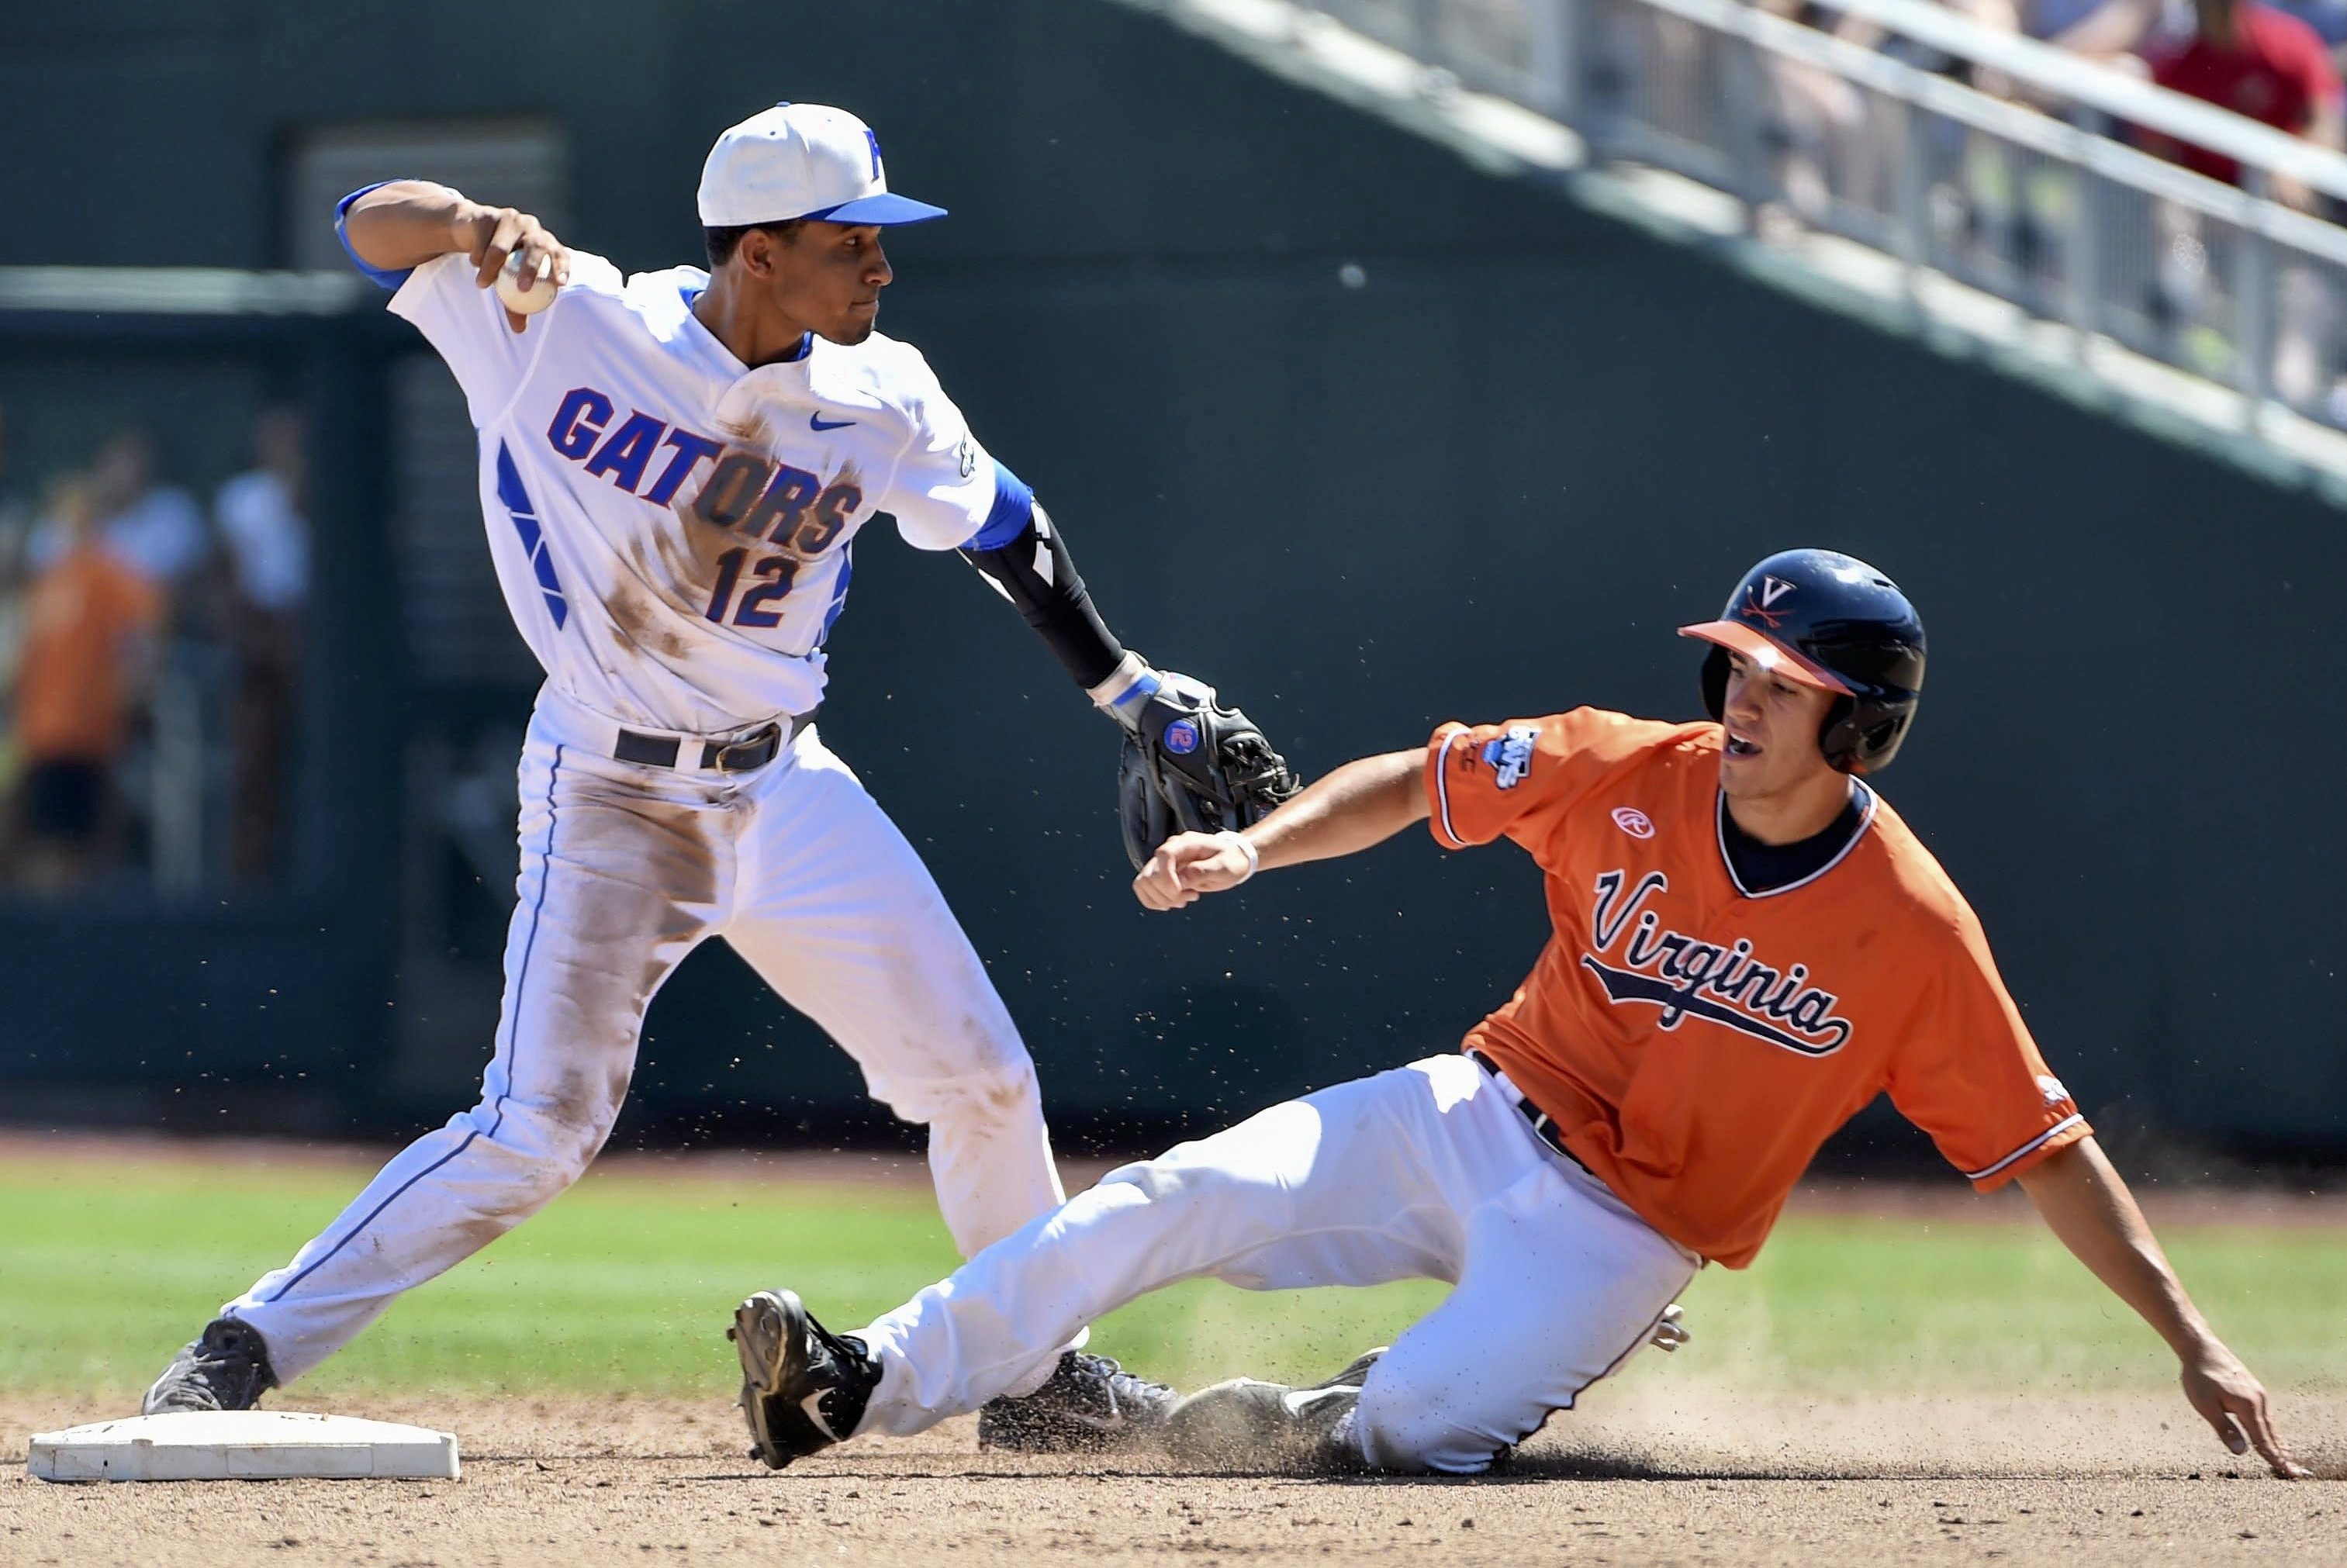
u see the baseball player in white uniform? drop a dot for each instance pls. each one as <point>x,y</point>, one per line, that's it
<point>675,471</point>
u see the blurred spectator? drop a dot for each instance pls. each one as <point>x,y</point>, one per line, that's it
<point>1834,141</point>
<point>1997,16</point>
<point>88,621</point>
<point>2257,62</point>
<point>263,518</point>
<point>2270,66</point>
<point>2116,29</point>
<point>153,529</point>
<point>1816,140</point>
<point>2329,20</point>
<point>2109,29</point>
<point>15,524</point>
<point>2054,21</point>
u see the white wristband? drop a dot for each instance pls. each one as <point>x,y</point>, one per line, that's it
<point>1245,847</point>
<point>1132,677</point>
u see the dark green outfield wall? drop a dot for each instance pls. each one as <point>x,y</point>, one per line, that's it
<point>1488,483</point>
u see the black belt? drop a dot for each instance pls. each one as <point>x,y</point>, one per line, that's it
<point>1543,1125</point>
<point>754,750</point>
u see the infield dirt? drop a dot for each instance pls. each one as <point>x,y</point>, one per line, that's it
<point>1660,1476</point>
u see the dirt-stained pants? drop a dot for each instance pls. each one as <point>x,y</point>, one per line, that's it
<point>624,869</point>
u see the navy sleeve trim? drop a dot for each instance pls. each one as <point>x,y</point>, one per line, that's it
<point>1014,504</point>
<point>384,276</point>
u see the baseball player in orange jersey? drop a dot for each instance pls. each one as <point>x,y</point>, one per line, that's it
<point>1748,945</point>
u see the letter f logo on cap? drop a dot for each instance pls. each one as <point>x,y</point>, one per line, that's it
<point>801,160</point>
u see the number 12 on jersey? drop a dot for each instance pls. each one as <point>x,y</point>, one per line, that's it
<point>778,572</point>
<point>779,505</point>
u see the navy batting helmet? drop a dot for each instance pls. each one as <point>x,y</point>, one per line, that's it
<point>1832,622</point>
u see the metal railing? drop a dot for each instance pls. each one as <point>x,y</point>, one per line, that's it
<point>2022,179</point>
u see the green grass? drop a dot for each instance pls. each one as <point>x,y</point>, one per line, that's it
<point>626,1284</point>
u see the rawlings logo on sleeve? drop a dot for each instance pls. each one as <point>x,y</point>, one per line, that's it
<point>1511,755</point>
<point>1683,975</point>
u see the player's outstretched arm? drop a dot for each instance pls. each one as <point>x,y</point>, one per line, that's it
<point>408,223</point>
<point>1190,760</point>
<point>1361,804</point>
<point>2086,1204</point>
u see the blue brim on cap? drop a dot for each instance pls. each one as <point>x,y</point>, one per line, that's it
<point>885,208</point>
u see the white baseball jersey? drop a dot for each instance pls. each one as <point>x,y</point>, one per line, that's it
<point>674,530</point>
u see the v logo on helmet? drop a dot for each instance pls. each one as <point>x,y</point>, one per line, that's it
<point>1773,589</point>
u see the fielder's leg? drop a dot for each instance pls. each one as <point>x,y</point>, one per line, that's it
<point>622,871</point>
<point>840,916</point>
<point>837,912</point>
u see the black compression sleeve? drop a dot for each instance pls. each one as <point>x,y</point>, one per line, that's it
<point>1035,572</point>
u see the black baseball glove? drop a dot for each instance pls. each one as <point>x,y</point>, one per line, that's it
<point>1191,766</point>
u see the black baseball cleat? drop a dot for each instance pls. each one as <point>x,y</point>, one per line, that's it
<point>802,1387</point>
<point>1088,1405</point>
<point>226,1367</point>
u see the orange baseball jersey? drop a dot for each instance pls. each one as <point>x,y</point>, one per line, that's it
<point>1693,1044</point>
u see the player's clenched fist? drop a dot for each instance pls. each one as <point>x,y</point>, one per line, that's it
<point>490,236</point>
<point>1190,864</point>
<point>395,227</point>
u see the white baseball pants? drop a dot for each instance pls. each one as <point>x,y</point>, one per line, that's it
<point>625,868</point>
<point>1426,1171</point>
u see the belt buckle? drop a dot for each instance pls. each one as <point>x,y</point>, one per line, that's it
<point>768,737</point>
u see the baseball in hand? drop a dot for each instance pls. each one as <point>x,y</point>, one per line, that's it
<point>527,298</point>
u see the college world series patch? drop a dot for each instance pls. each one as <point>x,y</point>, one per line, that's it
<point>1510,756</point>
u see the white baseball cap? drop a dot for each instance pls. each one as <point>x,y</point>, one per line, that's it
<point>801,160</point>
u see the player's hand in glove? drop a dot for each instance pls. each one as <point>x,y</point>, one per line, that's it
<point>1672,1332</point>
<point>1190,764</point>
<point>1190,864</point>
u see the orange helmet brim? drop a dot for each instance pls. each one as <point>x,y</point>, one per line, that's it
<point>1770,655</point>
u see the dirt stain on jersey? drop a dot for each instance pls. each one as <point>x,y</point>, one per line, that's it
<point>643,621</point>
<point>641,626</point>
